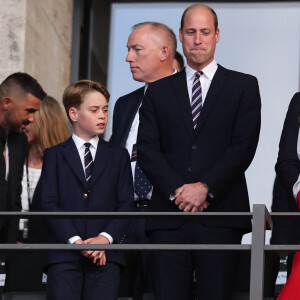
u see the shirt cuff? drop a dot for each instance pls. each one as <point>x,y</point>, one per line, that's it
<point>172,198</point>
<point>108,236</point>
<point>73,239</point>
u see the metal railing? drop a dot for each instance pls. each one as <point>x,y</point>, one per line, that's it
<point>261,221</point>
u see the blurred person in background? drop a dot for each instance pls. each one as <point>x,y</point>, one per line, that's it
<point>288,176</point>
<point>178,62</point>
<point>25,269</point>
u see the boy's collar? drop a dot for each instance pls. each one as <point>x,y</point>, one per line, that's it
<point>79,142</point>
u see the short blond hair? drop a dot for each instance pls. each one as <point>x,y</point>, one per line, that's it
<point>74,94</point>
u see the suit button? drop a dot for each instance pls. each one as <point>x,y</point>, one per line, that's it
<point>190,169</point>
<point>85,196</point>
<point>194,147</point>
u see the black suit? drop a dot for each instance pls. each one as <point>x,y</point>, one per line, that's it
<point>134,279</point>
<point>17,147</point>
<point>3,182</point>
<point>288,170</point>
<point>124,112</point>
<point>218,152</point>
<point>288,164</point>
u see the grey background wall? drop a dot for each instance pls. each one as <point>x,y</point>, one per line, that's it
<point>35,37</point>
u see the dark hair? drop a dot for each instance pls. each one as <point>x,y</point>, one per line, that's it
<point>203,5</point>
<point>162,27</point>
<point>24,82</point>
<point>74,94</point>
<point>179,59</point>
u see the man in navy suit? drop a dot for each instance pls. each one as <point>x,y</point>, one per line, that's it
<point>151,49</point>
<point>85,173</point>
<point>198,134</point>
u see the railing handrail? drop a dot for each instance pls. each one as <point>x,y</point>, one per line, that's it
<point>262,220</point>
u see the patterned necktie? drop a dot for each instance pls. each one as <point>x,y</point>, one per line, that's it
<point>88,162</point>
<point>196,98</point>
<point>142,186</point>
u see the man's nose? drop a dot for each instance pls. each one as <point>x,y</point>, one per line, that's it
<point>129,56</point>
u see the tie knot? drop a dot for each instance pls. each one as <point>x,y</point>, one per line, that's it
<point>87,145</point>
<point>198,74</point>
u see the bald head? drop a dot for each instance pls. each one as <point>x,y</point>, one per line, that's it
<point>197,6</point>
<point>151,50</point>
<point>161,33</point>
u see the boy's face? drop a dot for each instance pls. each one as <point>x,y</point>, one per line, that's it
<point>91,118</point>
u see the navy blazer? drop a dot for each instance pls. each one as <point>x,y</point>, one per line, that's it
<point>124,112</point>
<point>63,188</point>
<point>218,152</point>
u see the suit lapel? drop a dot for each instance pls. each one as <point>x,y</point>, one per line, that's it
<point>212,96</point>
<point>181,91</point>
<point>102,159</point>
<point>71,155</point>
<point>133,106</point>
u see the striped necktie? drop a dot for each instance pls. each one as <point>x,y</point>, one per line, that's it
<point>196,98</point>
<point>88,162</point>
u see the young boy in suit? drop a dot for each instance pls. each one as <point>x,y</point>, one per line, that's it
<point>85,173</point>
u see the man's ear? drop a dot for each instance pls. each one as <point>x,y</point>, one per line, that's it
<point>73,114</point>
<point>164,53</point>
<point>180,35</point>
<point>6,103</point>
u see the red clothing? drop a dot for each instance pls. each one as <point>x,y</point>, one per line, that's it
<point>291,290</point>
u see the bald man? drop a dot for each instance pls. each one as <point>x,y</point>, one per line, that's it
<point>198,134</point>
<point>151,50</point>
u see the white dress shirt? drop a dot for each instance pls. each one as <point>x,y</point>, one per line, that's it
<point>205,79</point>
<point>79,143</point>
<point>296,187</point>
<point>131,140</point>
<point>6,157</point>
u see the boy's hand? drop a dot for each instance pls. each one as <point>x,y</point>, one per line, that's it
<point>98,256</point>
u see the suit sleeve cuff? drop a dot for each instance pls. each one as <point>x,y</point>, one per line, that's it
<point>73,239</point>
<point>108,236</point>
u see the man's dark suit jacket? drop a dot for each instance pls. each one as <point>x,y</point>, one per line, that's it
<point>288,163</point>
<point>3,182</point>
<point>287,170</point>
<point>124,112</point>
<point>63,188</point>
<point>218,152</point>
<point>17,146</point>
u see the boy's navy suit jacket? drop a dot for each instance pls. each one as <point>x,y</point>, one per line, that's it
<point>63,188</point>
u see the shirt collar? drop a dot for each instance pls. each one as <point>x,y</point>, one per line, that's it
<point>79,142</point>
<point>209,71</point>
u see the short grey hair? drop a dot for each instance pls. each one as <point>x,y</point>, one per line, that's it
<point>163,28</point>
